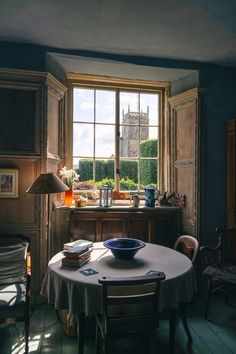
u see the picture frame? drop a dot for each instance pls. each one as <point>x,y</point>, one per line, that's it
<point>9,183</point>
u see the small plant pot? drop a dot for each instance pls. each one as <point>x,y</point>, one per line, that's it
<point>83,202</point>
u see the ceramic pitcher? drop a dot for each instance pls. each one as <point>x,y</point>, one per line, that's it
<point>135,200</point>
<point>150,197</point>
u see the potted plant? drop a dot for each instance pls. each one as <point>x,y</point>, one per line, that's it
<point>88,187</point>
<point>70,178</point>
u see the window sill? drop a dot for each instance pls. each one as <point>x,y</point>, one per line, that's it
<point>119,207</point>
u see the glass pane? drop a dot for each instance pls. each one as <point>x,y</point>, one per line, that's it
<point>105,141</point>
<point>83,138</point>
<point>149,105</point>
<point>83,105</point>
<point>153,133</point>
<point>149,148</point>
<point>104,171</point>
<point>85,170</point>
<point>128,175</point>
<point>105,106</point>
<point>149,142</point>
<point>148,172</point>
<point>129,141</point>
<point>75,163</point>
<point>129,107</point>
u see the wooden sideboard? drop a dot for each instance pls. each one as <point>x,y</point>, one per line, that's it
<point>161,225</point>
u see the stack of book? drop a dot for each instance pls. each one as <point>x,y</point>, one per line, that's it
<point>77,255</point>
<point>80,242</point>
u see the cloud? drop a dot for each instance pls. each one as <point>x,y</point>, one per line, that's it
<point>86,105</point>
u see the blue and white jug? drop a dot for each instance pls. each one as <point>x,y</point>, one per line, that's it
<point>150,197</point>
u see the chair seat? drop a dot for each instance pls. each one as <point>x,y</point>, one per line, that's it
<point>12,300</point>
<point>224,272</point>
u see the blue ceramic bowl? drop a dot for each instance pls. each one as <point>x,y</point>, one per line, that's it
<point>124,248</point>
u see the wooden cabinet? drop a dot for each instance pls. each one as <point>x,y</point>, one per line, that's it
<point>31,140</point>
<point>231,173</point>
<point>157,225</point>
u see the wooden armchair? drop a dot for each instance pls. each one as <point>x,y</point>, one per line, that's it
<point>15,281</point>
<point>130,308</point>
<point>220,272</point>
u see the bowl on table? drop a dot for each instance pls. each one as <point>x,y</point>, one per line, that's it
<point>124,248</point>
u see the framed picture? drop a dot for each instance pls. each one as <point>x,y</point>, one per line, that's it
<point>9,183</point>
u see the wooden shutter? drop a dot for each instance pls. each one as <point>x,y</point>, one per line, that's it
<point>185,155</point>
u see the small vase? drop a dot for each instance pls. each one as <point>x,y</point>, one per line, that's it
<point>68,197</point>
<point>150,197</point>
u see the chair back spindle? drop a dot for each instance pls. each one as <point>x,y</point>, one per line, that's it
<point>219,270</point>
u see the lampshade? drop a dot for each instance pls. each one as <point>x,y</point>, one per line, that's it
<point>47,183</point>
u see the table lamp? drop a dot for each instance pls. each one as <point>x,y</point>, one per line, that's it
<point>48,183</point>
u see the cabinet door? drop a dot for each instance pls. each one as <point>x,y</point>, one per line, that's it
<point>138,228</point>
<point>19,120</point>
<point>231,173</point>
<point>231,190</point>
<point>83,226</point>
<point>112,227</point>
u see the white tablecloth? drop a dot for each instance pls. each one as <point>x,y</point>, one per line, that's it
<point>67,288</point>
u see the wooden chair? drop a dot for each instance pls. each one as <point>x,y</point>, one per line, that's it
<point>220,272</point>
<point>187,245</point>
<point>15,281</point>
<point>130,308</point>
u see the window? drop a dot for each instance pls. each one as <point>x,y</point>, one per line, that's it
<point>117,127</point>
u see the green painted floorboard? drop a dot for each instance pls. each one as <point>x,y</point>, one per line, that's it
<point>216,336</point>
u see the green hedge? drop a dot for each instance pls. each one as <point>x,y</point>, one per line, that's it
<point>148,168</point>
<point>148,172</point>
<point>109,182</point>
<point>105,169</point>
<point>100,170</point>
<point>149,148</point>
<point>127,184</point>
<point>128,168</point>
<point>110,169</point>
<point>85,169</point>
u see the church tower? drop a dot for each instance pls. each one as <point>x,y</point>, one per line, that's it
<point>131,122</point>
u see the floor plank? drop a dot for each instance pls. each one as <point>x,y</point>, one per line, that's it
<point>217,335</point>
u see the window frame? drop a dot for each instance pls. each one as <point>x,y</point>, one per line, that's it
<point>106,82</point>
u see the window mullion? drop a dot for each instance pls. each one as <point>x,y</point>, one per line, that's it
<point>94,137</point>
<point>139,135</point>
<point>117,142</point>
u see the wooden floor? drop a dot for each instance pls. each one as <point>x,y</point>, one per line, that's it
<point>217,335</point>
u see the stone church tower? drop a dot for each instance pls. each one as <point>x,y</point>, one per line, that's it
<point>130,132</point>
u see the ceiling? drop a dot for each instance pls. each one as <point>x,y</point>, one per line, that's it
<point>192,30</point>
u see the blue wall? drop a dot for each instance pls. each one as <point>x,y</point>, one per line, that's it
<point>220,106</point>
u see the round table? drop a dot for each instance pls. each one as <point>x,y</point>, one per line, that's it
<point>68,288</point>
